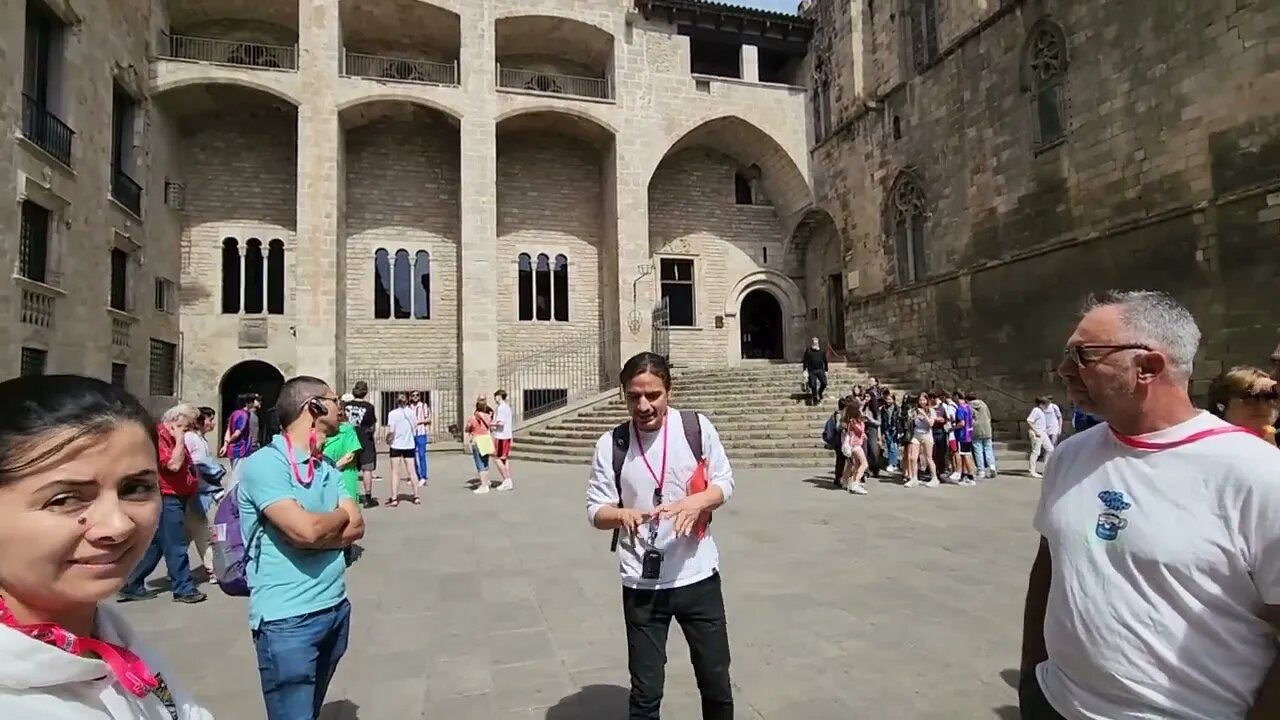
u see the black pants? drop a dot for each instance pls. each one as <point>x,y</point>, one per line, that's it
<point>940,451</point>
<point>817,384</point>
<point>1032,702</point>
<point>840,461</point>
<point>699,608</point>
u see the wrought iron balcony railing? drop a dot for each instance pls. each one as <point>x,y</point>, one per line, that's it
<point>229,52</point>
<point>126,191</point>
<point>385,67</point>
<point>46,130</point>
<point>554,83</point>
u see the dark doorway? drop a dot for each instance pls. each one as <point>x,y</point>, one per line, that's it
<point>835,311</point>
<point>250,376</point>
<point>760,320</point>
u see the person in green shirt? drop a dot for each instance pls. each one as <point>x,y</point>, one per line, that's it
<point>343,449</point>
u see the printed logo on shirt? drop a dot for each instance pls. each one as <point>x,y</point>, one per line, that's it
<point>1110,520</point>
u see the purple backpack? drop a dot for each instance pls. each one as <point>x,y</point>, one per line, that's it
<point>230,550</point>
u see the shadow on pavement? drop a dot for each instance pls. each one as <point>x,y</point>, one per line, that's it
<point>1011,677</point>
<point>822,482</point>
<point>1008,712</point>
<point>593,702</point>
<point>340,710</point>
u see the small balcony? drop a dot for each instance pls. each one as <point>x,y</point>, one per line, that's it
<point>121,332</point>
<point>229,52</point>
<point>46,130</point>
<point>126,191</point>
<point>39,299</point>
<point>539,82</point>
<point>399,69</point>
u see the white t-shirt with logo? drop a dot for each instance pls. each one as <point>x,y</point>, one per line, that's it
<point>503,418</point>
<point>1162,561</point>
<point>1037,420</point>
<point>402,424</point>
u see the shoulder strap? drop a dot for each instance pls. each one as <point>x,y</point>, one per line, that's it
<point>692,432</point>
<point>621,443</point>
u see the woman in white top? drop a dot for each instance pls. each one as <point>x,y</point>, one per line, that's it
<point>402,425</point>
<point>659,503</point>
<point>79,503</point>
<point>1038,432</point>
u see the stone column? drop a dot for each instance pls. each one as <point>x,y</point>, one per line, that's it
<point>313,261</point>
<point>478,262</point>
<point>750,63</point>
<point>632,184</point>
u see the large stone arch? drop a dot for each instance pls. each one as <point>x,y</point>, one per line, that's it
<point>589,115</point>
<point>185,75</point>
<point>789,297</point>
<point>395,95</point>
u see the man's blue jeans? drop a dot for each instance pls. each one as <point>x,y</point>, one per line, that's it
<point>984,454</point>
<point>297,657</point>
<point>420,456</point>
<point>170,542</point>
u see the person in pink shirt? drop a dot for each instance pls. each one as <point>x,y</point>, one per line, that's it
<point>852,443</point>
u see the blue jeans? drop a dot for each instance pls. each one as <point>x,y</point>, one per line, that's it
<point>420,456</point>
<point>481,461</point>
<point>891,448</point>
<point>297,657</point>
<point>169,542</point>
<point>984,454</point>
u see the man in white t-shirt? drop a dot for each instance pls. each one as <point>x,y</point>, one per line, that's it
<point>1053,420</point>
<point>504,427</point>
<point>1156,591</point>
<point>1038,432</point>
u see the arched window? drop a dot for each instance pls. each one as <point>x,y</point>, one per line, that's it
<point>422,288</point>
<point>230,276</point>
<point>908,212</point>
<point>560,289</point>
<point>1044,73</point>
<point>542,288</point>
<point>402,286</point>
<point>524,286</point>
<point>381,285</point>
<point>275,277</point>
<point>922,19</point>
<point>253,276</point>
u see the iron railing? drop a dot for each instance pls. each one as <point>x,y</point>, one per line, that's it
<point>399,69</point>
<point>562,373</point>
<point>440,389</point>
<point>554,83</point>
<point>660,342</point>
<point>229,52</point>
<point>126,191</point>
<point>46,130</point>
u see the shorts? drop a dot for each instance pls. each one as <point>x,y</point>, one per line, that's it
<point>966,447</point>
<point>502,448</point>
<point>919,437</point>
<point>481,461</point>
<point>398,453</point>
<point>368,459</point>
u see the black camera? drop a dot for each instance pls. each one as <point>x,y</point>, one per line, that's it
<point>651,565</point>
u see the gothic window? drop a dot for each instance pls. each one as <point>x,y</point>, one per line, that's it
<point>819,99</point>
<point>422,288</point>
<point>275,277</point>
<point>560,289</point>
<point>402,286</point>
<point>253,276</point>
<point>1044,68</point>
<point>524,271</point>
<point>542,288</point>
<point>922,21</point>
<point>381,285</point>
<point>230,276</point>
<point>908,214</point>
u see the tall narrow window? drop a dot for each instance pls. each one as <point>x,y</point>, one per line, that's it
<point>677,291</point>
<point>422,287</point>
<point>743,193</point>
<point>542,288</point>
<point>560,289</point>
<point>402,285</point>
<point>381,285</point>
<point>909,215</point>
<point>33,243</point>
<point>923,20</point>
<point>40,91</point>
<point>524,283</point>
<point>120,375</point>
<point>275,277</point>
<point>34,361</point>
<point>163,368</point>
<point>120,280</point>
<point>1044,71</point>
<point>230,276</point>
<point>253,276</point>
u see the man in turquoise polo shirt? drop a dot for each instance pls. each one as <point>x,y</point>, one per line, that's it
<point>296,519</point>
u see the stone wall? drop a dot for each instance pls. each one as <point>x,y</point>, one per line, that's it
<point>1162,181</point>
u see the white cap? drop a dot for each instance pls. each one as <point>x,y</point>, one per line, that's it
<point>348,397</point>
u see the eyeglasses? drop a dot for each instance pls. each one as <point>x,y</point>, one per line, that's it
<point>1266,396</point>
<point>1076,353</point>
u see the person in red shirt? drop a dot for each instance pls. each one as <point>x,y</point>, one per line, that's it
<point>178,488</point>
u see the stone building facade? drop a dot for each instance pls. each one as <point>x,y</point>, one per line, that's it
<point>448,196</point>
<point>990,164</point>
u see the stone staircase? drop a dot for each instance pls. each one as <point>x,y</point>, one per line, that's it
<point>758,408</point>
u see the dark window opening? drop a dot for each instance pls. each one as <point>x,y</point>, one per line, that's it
<point>275,277</point>
<point>923,19</point>
<point>542,288</point>
<point>743,189</point>
<point>123,109</point>
<point>33,243</point>
<point>678,291</point>
<point>253,276</point>
<point>537,402</point>
<point>560,289</point>
<point>381,285</point>
<point>778,67</point>
<point>34,362</point>
<point>715,57</point>
<point>909,216</point>
<point>119,375</point>
<point>41,33</point>
<point>402,286</point>
<point>164,368</point>
<point>1045,68</point>
<point>230,276</point>
<point>120,280</point>
<point>524,272</point>
<point>764,255</point>
<point>422,288</point>
<point>897,128</point>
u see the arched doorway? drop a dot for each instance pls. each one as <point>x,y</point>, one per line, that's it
<point>250,376</point>
<point>760,322</point>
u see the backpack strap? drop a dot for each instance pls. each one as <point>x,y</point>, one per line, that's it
<point>621,444</point>
<point>692,432</point>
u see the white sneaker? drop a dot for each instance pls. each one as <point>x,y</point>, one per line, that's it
<point>992,473</point>
<point>505,486</point>
<point>954,477</point>
<point>422,483</point>
<point>930,483</point>
<point>858,488</point>
<point>482,490</point>
<point>1036,475</point>
<point>910,483</point>
<point>967,482</point>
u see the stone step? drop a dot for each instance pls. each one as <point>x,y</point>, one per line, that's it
<point>738,458</point>
<point>755,433</point>
<point>587,441</point>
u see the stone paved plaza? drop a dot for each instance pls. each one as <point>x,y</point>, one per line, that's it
<point>904,604</point>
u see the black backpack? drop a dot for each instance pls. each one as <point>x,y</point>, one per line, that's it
<point>692,423</point>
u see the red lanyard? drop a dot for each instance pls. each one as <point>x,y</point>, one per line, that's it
<point>1137,444</point>
<point>293,464</point>
<point>657,479</point>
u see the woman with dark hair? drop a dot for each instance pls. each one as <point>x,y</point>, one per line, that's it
<point>79,503</point>
<point>655,481</point>
<point>479,431</point>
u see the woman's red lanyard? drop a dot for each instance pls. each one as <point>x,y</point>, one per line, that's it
<point>1137,444</point>
<point>129,669</point>
<point>293,464</point>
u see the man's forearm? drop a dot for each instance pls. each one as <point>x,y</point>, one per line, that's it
<point>1033,647</point>
<point>1267,706</point>
<point>608,517</point>
<point>327,529</point>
